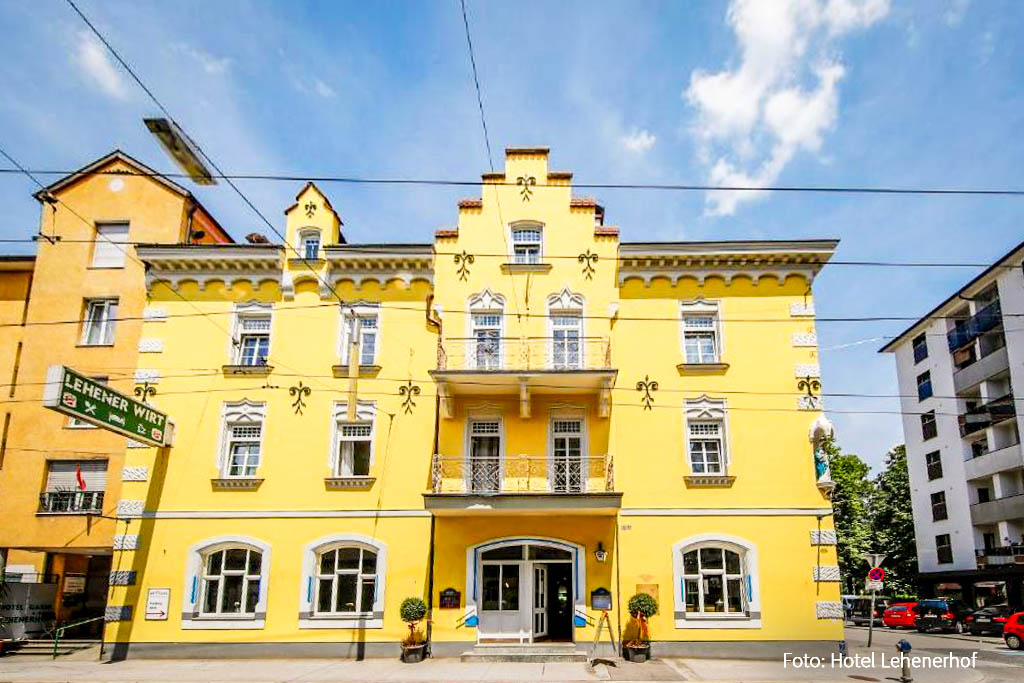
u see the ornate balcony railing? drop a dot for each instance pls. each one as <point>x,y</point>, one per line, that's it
<point>487,354</point>
<point>457,474</point>
<point>71,502</point>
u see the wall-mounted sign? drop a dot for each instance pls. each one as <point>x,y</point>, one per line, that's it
<point>86,399</point>
<point>74,583</point>
<point>450,599</point>
<point>600,599</point>
<point>157,602</point>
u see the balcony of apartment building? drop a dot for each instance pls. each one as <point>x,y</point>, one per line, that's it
<point>490,364</point>
<point>1000,556</point>
<point>992,413</point>
<point>992,511</point>
<point>978,346</point>
<point>71,503</point>
<point>563,482</point>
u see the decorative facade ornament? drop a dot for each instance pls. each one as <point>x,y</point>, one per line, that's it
<point>407,392</point>
<point>153,314</point>
<point>819,434</point>
<point>828,610</point>
<point>145,391</point>
<point>310,209</point>
<point>823,537</point>
<point>805,339</point>
<point>810,403</point>
<point>126,542</point>
<point>463,261</point>
<point>122,577</point>
<point>300,392</point>
<point>144,376</point>
<point>526,184</point>
<point>130,508</point>
<point>151,345</point>
<point>801,310</point>
<point>825,573</point>
<point>117,613</point>
<point>647,385</point>
<point>588,260</point>
<point>138,473</point>
<point>810,385</point>
<point>806,370</point>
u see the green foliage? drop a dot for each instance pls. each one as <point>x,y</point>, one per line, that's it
<point>893,523</point>
<point>412,610</point>
<point>850,502</point>
<point>643,605</point>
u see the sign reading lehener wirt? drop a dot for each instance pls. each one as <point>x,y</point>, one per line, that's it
<point>86,399</point>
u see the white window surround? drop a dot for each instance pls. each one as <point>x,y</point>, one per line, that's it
<point>484,303</point>
<point>702,308</point>
<point>192,591</point>
<point>748,556</point>
<point>707,409</point>
<point>366,411</point>
<point>244,412</point>
<point>569,413</point>
<point>363,311</point>
<point>567,304</point>
<point>530,236</point>
<point>309,235</point>
<point>255,309</point>
<point>481,414</point>
<point>99,322</point>
<point>307,589</point>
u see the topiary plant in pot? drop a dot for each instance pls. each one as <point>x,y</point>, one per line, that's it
<point>414,646</point>
<point>641,607</point>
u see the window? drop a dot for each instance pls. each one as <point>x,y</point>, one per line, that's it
<point>979,447</point>
<point>253,339</point>
<point>98,326</point>
<point>243,449</point>
<point>701,342</point>
<point>566,453</point>
<point>984,494</point>
<point>487,340</point>
<point>705,447</point>
<point>924,385</point>
<point>943,549</point>
<point>311,246</point>
<point>713,580</point>
<point>74,486</point>
<point>565,340</point>
<point>933,463</point>
<point>364,318</point>
<point>500,587</point>
<point>346,581</point>
<point>355,444</point>
<point>939,506</point>
<point>988,540</point>
<point>920,344</point>
<point>109,246</point>
<point>231,581</point>
<point>929,430</point>
<point>526,245</point>
<point>484,456</point>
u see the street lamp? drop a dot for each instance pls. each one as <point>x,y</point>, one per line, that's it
<point>181,150</point>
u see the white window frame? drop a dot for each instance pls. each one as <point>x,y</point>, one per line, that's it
<point>107,322</point>
<point>467,460</point>
<point>704,410</point>
<point>750,588</point>
<point>192,593</point>
<point>528,237</point>
<point>244,413</point>
<point>569,415</point>
<point>359,574</point>
<point>305,237</point>
<point>206,580</point>
<point>307,585</point>
<point>108,250</point>
<point>702,309</point>
<point>363,312</point>
<point>243,313</point>
<point>568,305</point>
<point>485,304</point>
<point>366,413</point>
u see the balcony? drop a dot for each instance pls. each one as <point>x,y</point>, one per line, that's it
<point>71,503</point>
<point>980,370</point>
<point>531,484</point>
<point>986,319</point>
<point>998,510</point>
<point>995,411</point>
<point>990,557</point>
<point>476,366</point>
<point>987,464</point>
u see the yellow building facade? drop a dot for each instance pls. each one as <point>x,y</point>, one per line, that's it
<point>524,423</point>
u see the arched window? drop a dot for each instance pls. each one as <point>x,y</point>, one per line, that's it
<point>309,241</point>
<point>346,581</point>
<point>716,582</point>
<point>231,581</point>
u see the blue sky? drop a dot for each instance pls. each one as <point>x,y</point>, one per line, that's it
<point>815,92</point>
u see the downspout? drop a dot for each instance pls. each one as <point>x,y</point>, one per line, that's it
<point>435,323</point>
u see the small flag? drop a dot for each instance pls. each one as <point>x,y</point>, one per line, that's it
<point>79,477</point>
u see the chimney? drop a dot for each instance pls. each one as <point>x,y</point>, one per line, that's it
<point>256,238</point>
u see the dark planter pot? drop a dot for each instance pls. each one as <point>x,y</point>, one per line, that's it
<point>413,653</point>
<point>638,654</point>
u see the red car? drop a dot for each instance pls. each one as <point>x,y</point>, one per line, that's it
<point>1013,631</point>
<point>899,615</point>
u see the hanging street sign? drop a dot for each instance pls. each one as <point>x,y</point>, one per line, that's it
<point>84,398</point>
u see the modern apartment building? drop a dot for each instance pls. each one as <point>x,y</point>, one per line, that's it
<point>78,302</point>
<point>524,423</point>
<point>961,376</point>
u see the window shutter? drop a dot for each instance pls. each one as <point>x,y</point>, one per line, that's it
<point>107,250</point>
<point>61,476</point>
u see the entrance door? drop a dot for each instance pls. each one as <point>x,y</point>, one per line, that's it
<point>540,601</point>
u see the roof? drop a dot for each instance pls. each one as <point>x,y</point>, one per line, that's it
<point>116,155</point>
<point>956,296</point>
<point>731,246</point>
<point>327,202</point>
<point>16,262</point>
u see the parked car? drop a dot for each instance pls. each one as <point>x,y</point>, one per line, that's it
<point>899,615</point>
<point>1013,631</point>
<point>989,620</point>
<point>862,608</point>
<point>947,615</point>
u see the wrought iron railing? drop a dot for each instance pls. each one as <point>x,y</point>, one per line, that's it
<point>71,502</point>
<point>522,474</point>
<point>530,353</point>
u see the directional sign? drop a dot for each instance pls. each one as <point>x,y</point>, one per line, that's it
<point>86,399</point>
<point>157,601</point>
<point>876,574</point>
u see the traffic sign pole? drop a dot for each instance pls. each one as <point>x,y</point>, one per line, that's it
<point>875,576</point>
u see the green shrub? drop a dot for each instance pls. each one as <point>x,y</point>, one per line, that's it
<point>412,610</point>
<point>643,605</point>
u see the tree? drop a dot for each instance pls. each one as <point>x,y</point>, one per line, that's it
<point>850,502</point>
<point>892,523</point>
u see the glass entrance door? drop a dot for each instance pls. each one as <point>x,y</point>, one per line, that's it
<point>540,600</point>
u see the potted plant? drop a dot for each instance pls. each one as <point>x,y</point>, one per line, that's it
<point>641,607</point>
<point>414,646</point>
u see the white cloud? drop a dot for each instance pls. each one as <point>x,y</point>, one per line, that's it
<point>638,141</point>
<point>322,89</point>
<point>210,64</point>
<point>955,12</point>
<point>91,58</point>
<point>782,96</point>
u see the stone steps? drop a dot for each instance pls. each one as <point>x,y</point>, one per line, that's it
<point>555,652</point>
<point>44,648</point>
